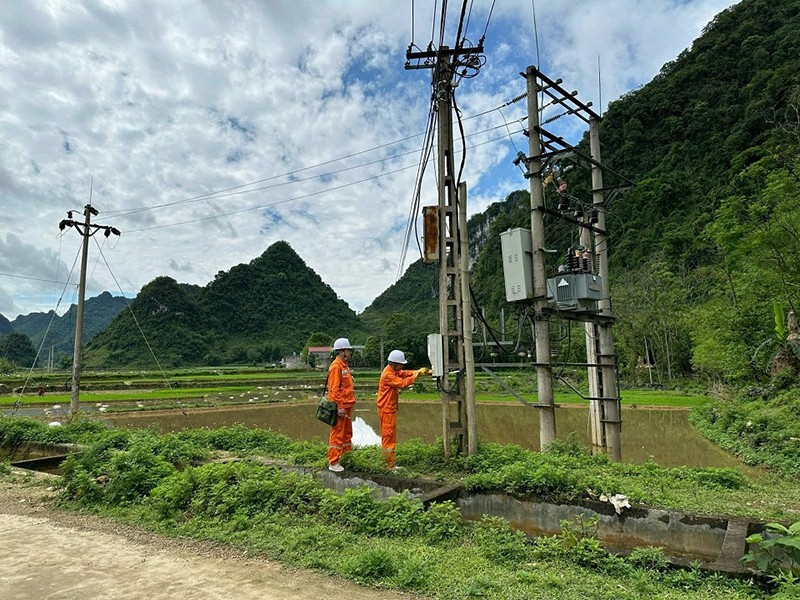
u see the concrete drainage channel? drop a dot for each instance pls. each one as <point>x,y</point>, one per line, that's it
<point>717,543</point>
<point>45,458</point>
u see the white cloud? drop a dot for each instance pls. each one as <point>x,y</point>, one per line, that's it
<point>139,105</point>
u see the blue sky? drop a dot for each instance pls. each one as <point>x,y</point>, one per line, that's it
<point>206,131</point>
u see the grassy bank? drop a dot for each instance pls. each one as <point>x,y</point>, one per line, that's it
<point>164,483</point>
<point>759,424</point>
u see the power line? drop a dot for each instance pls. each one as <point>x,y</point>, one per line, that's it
<point>311,194</point>
<point>286,174</point>
<point>231,191</point>
<point>33,278</point>
<point>244,210</point>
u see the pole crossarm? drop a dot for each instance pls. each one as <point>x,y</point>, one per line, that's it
<point>569,100</point>
<point>84,229</point>
<point>550,140</point>
<point>431,57</point>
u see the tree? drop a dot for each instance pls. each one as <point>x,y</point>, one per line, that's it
<point>649,302</point>
<point>18,349</point>
<point>787,334</point>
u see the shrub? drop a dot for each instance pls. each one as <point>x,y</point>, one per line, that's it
<point>371,565</point>
<point>441,522</point>
<point>499,542</point>
<point>777,550</point>
<point>648,558</point>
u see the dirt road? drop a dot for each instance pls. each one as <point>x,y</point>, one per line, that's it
<point>50,553</point>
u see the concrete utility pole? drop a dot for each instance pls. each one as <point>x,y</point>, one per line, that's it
<point>451,323</point>
<point>544,373</point>
<point>607,377</point>
<point>459,424</point>
<point>466,311</point>
<point>579,291</point>
<point>86,229</point>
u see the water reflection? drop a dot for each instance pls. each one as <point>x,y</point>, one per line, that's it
<point>663,435</point>
<point>364,434</point>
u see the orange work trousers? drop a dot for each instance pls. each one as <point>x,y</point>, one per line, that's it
<point>341,437</point>
<point>388,436</point>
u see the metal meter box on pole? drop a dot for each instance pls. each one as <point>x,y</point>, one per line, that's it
<point>517,263</point>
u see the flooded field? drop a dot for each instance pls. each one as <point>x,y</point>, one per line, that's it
<point>663,435</point>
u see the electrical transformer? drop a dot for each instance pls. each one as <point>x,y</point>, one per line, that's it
<point>578,292</point>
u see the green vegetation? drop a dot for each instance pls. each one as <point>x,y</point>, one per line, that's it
<point>164,483</point>
<point>705,260</point>
<point>760,425</point>
<point>254,313</point>
<point>98,312</point>
<point>777,551</point>
<point>17,349</point>
<point>565,473</point>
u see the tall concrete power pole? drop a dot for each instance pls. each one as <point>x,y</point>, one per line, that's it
<point>86,229</point>
<point>457,393</point>
<point>544,374</point>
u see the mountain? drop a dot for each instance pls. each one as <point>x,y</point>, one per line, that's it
<point>5,326</point>
<point>98,312</point>
<point>254,312</point>
<point>166,326</point>
<point>416,293</point>
<point>707,242</point>
<point>278,297</point>
<point>714,110</point>
<point>403,315</point>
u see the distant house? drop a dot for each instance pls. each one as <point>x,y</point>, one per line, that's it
<point>319,356</point>
<point>291,362</point>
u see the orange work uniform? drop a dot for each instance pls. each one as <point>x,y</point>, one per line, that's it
<point>341,391</point>
<point>391,382</point>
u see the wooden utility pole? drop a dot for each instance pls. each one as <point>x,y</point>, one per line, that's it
<point>86,229</point>
<point>544,373</point>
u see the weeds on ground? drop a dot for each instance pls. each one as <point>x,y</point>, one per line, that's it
<point>155,481</point>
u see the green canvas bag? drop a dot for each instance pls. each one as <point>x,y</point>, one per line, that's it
<point>327,412</point>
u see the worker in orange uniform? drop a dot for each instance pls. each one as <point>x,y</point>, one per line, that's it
<point>393,379</point>
<point>341,391</point>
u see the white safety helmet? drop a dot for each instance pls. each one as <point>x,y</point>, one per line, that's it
<point>397,356</point>
<point>342,344</point>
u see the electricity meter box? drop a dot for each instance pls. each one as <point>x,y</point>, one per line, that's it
<point>517,263</point>
<point>436,354</point>
<point>577,292</point>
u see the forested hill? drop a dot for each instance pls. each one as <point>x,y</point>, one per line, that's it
<point>5,326</point>
<point>254,312</point>
<point>405,313</point>
<point>687,135</point>
<point>706,246</point>
<point>98,312</point>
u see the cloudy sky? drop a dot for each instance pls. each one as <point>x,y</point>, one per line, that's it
<point>205,131</point>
